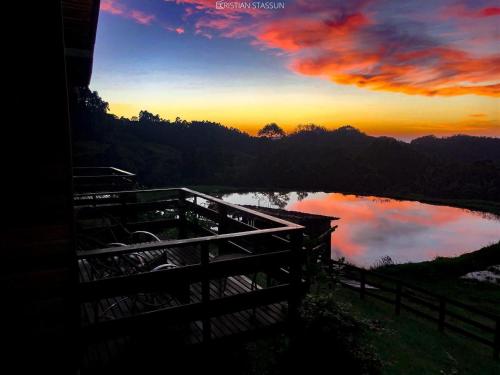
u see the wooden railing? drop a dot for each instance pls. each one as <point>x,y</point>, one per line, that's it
<point>447,313</point>
<point>265,244</point>
<point>102,178</point>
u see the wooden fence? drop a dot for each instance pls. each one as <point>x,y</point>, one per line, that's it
<point>447,313</point>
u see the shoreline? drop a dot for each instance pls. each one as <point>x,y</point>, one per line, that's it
<point>488,207</point>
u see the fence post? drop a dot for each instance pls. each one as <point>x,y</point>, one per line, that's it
<point>399,288</point>
<point>295,277</point>
<point>362,282</point>
<point>205,290</point>
<point>496,342</point>
<point>442,313</point>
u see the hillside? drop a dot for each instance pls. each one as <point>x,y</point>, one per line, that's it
<point>165,153</point>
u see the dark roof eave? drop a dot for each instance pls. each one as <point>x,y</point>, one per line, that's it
<point>80,19</point>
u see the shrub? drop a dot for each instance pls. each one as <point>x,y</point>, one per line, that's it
<point>332,337</point>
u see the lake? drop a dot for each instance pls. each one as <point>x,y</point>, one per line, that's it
<point>372,227</point>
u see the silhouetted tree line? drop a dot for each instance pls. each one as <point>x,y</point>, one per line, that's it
<point>168,153</point>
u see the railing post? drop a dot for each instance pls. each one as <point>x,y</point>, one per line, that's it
<point>223,226</point>
<point>205,290</point>
<point>182,213</point>
<point>196,214</point>
<point>123,209</point>
<point>399,290</point>
<point>442,313</point>
<point>295,277</point>
<point>362,283</point>
<point>134,215</point>
<point>496,341</point>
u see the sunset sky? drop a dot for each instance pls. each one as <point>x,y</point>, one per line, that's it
<point>398,68</point>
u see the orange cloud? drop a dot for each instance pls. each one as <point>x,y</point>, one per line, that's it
<point>352,44</point>
<point>353,50</point>
<point>370,71</point>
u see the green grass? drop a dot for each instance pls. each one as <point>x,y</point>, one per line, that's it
<point>409,345</point>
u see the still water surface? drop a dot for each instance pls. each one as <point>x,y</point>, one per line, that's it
<point>372,227</point>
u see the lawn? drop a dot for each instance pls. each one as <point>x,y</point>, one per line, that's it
<point>409,345</point>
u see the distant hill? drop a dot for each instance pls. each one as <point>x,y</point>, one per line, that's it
<point>460,147</point>
<point>165,153</point>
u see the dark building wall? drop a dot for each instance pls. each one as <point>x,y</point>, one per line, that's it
<point>37,255</point>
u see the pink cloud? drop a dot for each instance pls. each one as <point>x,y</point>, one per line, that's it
<point>227,22</point>
<point>349,47</point>
<point>111,6</point>
<point>459,10</point>
<point>179,30</point>
<point>406,47</point>
<point>294,34</point>
<point>141,17</point>
<point>489,12</point>
<point>209,6</point>
<point>118,9</point>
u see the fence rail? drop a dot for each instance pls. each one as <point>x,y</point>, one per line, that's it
<point>102,178</point>
<point>482,326</point>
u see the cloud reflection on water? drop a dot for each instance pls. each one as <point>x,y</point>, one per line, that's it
<point>372,227</point>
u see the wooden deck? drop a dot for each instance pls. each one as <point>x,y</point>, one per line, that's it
<point>239,324</point>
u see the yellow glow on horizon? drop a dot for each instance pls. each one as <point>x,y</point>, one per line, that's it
<point>396,115</point>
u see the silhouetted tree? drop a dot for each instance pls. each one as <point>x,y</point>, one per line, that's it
<point>301,195</point>
<point>348,129</point>
<point>91,102</point>
<point>145,116</point>
<point>272,131</point>
<point>310,128</point>
<point>278,199</point>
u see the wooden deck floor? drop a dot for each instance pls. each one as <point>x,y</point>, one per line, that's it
<point>251,321</point>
